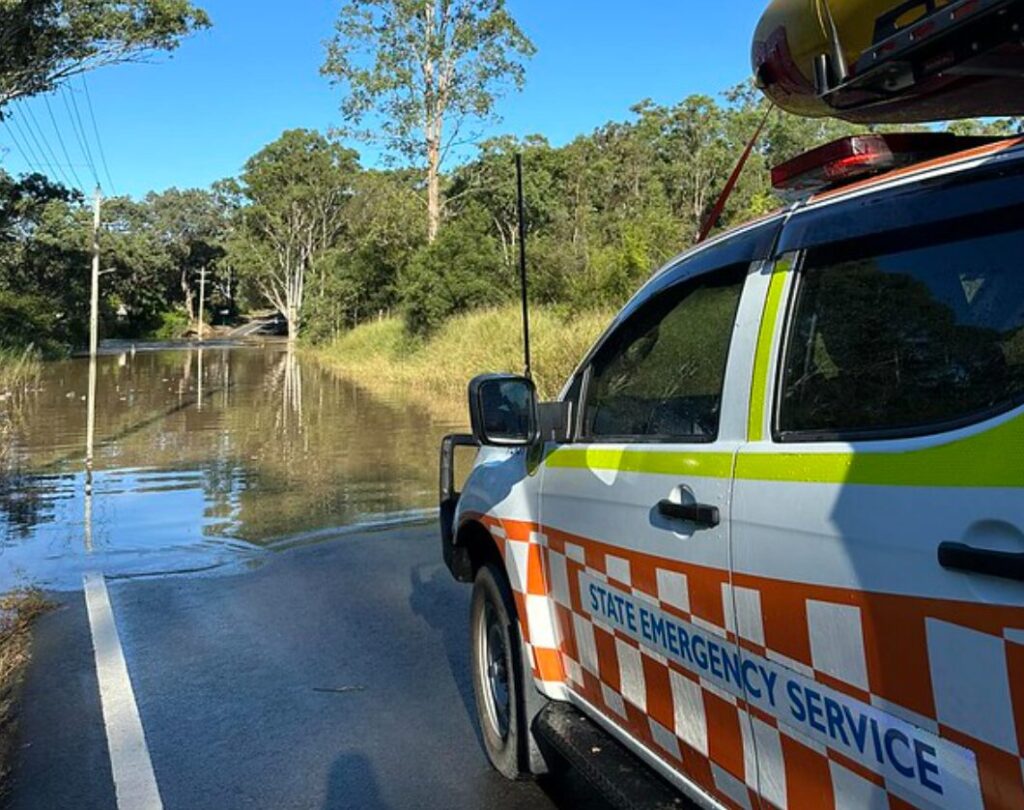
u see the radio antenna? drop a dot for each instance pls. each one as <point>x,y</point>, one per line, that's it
<point>521,208</point>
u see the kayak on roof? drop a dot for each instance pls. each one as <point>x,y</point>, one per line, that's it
<point>892,61</point>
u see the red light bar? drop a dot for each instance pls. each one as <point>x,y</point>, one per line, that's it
<point>860,156</point>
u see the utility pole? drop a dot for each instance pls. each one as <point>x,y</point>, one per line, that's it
<point>94,328</point>
<point>202,298</point>
<point>94,315</point>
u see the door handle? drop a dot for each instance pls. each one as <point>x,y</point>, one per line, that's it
<point>962,557</point>
<point>700,513</point>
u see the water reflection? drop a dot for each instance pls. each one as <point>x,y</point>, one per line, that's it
<point>197,457</point>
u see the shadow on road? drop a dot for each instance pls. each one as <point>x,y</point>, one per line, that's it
<point>352,784</point>
<point>431,600</point>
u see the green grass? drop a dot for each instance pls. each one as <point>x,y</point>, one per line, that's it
<point>381,357</point>
<point>19,368</point>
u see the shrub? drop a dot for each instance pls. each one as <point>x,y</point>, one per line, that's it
<point>171,325</point>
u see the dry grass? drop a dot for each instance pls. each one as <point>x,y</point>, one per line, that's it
<point>18,610</point>
<point>380,357</point>
<point>19,369</point>
<point>6,430</point>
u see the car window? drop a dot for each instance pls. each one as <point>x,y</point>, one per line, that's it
<point>904,340</point>
<point>660,375</point>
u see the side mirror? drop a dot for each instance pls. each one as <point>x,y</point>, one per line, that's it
<point>503,410</point>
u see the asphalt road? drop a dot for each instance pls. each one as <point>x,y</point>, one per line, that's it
<point>331,676</point>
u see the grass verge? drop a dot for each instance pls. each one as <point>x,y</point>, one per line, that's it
<point>382,358</point>
<point>19,368</point>
<point>18,610</point>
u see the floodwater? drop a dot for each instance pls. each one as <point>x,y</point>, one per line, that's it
<point>203,458</point>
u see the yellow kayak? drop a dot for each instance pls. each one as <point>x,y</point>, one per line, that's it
<point>892,60</point>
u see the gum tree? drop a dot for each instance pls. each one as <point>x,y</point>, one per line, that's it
<point>44,42</point>
<point>295,191</point>
<point>417,74</point>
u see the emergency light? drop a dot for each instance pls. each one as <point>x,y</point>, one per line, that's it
<point>859,156</point>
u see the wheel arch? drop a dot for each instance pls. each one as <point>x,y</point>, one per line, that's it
<point>474,547</point>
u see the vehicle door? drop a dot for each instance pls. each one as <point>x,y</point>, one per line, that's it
<point>878,509</point>
<point>635,519</point>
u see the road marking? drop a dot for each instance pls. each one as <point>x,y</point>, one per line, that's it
<point>134,781</point>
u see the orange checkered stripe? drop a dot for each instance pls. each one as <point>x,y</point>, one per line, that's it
<point>702,731</point>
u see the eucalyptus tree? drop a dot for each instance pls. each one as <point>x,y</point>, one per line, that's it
<point>296,191</point>
<point>421,73</point>
<point>190,224</point>
<point>44,42</point>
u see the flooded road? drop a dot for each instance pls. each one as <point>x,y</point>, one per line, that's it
<point>202,458</point>
<point>306,673</point>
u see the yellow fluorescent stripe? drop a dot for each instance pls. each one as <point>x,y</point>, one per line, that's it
<point>994,458</point>
<point>762,359</point>
<point>707,465</point>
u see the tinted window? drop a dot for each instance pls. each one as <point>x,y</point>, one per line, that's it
<point>903,339</point>
<point>661,374</point>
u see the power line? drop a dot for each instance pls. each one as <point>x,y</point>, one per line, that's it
<point>76,128</point>
<point>33,164</point>
<point>31,122</point>
<point>37,150</point>
<point>63,148</point>
<point>83,139</point>
<point>96,131</point>
<point>17,145</point>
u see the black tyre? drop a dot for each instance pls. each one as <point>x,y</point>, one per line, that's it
<point>498,681</point>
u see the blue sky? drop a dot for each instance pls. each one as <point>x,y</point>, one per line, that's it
<point>192,118</point>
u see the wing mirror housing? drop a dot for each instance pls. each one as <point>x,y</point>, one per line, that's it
<point>503,410</point>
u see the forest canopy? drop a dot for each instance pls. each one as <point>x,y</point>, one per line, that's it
<point>604,211</point>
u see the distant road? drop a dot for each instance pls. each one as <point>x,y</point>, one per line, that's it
<point>268,325</point>
<point>332,676</point>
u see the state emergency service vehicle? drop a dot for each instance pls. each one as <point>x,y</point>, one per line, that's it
<point>769,541</point>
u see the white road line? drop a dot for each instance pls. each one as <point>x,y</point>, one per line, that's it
<point>134,782</point>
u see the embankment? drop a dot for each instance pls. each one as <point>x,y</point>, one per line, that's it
<point>17,612</point>
<point>382,358</point>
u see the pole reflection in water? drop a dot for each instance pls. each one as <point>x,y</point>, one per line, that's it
<point>90,438</point>
<point>199,383</point>
<point>193,458</point>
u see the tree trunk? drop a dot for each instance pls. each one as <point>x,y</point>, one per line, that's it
<point>433,189</point>
<point>292,316</point>
<point>187,294</point>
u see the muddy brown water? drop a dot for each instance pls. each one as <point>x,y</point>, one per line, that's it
<point>203,458</point>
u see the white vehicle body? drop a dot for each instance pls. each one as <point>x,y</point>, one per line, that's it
<point>805,649</point>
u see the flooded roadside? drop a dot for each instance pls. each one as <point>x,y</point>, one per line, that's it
<point>202,457</point>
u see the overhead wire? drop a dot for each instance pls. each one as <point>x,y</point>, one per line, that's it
<point>63,147</point>
<point>96,131</point>
<point>30,139</point>
<point>34,165</point>
<point>83,138</point>
<point>17,145</point>
<point>44,145</point>
<point>75,128</point>
<point>36,147</point>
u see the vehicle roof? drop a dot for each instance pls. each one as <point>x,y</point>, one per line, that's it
<point>1012,148</point>
<point>967,157</point>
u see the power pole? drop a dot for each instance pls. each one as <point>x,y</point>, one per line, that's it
<point>94,315</point>
<point>94,328</point>
<point>202,298</point>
